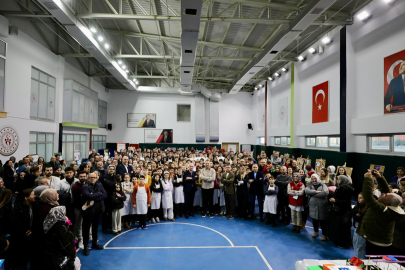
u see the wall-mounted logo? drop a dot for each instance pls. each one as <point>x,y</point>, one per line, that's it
<point>8,140</point>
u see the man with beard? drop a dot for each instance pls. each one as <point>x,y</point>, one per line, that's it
<point>282,182</point>
<point>77,207</point>
<point>109,182</point>
<point>53,181</point>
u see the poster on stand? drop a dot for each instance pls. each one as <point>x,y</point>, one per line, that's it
<point>76,155</point>
<point>159,136</point>
<point>141,120</point>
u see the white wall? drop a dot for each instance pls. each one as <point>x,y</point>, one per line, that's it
<point>235,112</point>
<point>23,53</point>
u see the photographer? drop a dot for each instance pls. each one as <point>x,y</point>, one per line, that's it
<point>378,223</point>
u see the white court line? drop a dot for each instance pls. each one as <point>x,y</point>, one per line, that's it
<point>264,259</point>
<point>180,247</point>
<point>199,247</point>
<point>230,242</point>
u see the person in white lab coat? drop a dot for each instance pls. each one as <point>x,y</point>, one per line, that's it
<point>157,188</point>
<point>167,197</point>
<point>127,188</point>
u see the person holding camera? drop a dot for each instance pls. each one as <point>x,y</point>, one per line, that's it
<point>377,226</point>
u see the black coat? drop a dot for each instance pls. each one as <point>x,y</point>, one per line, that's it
<point>241,190</point>
<point>190,184</point>
<point>154,189</point>
<point>96,194</point>
<point>117,202</point>
<point>59,244</point>
<point>177,184</point>
<point>5,214</point>
<point>256,187</point>
<point>8,177</point>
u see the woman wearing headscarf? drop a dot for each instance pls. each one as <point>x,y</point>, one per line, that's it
<point>332,174</point>
<point>339,231</point>
<point>318,205</point>
<point>59,249</point>
<point>49,199</point>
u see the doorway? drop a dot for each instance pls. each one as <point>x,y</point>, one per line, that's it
<point>231,146</point>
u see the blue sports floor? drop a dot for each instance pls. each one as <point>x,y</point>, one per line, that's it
<point>204,243</point>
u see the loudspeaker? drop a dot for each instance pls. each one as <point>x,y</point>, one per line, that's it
<point>250,126</point>
<point>109,126</point>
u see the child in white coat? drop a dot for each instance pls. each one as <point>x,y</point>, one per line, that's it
<point>127,188</point>
<point>167,197</point>
<point>270,201</point>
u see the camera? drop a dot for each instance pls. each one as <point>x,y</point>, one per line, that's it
<point>373,172</point>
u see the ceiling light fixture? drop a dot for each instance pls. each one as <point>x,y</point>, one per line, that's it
<point>390,2</point>
<point>93,30</point>
<point>326,40</point>
<point>364,16</point>
<point>100,38</point>
<point>270,78</point>
<point>312,50</point>
<point>136,82</point>
<point>124,66</point>
<point>119,62</point>
<point>127,71</point>
<point>277,74</point>
<point>107,46</point>
<point>301,58</point>
<point>284,69</point>
<point>260,86</point>
<point>256,88</point>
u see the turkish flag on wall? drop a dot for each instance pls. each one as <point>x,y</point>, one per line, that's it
<point>320,103</point>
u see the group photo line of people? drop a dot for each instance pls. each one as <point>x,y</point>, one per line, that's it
<point>49,210</point>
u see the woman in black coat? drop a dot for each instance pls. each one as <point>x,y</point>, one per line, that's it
<point>242,192</point>
<point>20,182</point>
<point>23,218</point>
<point>339,230</point>
<point>60,250</point>
<point>9,175</point>
<point>5,210</point>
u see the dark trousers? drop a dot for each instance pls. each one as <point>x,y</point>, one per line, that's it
<point>142,220</point>
<point>282,209</point>
<point>324,226</point>
<point>207,196</point>
<point>92,220</point>
<point>372,249</point>
<point>188,202</point>
<point>106,221</point>
<point>230,204</point>
<point>178,209</point>
<point>154,213</point>
<point>242,205</point>
<point>271,218</point>
<point>252,204</point>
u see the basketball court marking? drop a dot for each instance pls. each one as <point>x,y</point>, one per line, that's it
<point>230,242</point>
<point>190,247</point>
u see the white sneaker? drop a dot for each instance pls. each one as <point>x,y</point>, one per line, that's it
<point>153,220</point>
<point>157,219</point>
<point>81,246</point>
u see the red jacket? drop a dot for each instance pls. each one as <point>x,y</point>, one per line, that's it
<point>300,200</point>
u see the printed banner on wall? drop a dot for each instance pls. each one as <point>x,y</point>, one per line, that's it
<point>121,146</point>
<point>159,136</point>
<point>283,112</point>
<point>394,83</point>
<point>141,120</point>
<point>320,103</point>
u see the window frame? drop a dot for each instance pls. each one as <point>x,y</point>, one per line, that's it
<point>54,94</point>
<point>64,141</point>
<point>46,158</point>
<point>315,145</point>
<point>104,142</point>
<point>279,138</point>
<point>390,150</point>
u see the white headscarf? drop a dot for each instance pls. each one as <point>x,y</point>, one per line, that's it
<point>332,168</point>
<point>56,214</point>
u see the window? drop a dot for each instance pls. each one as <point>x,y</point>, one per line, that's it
<point>98,142</point>
<point>74,147</point>
<point>41,144</point>
<point>3,47</point>
<point>323,141</point>
<point>334,142</point>
<point>310,141</point>
<point>282,140</point>
<point>42,95</point>
<point>183,113</point>
<point>102,114</point>
<point>387,143</point>
<point>399,143</point>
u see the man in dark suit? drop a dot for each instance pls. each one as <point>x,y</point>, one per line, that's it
<point>396,89</point>
<point>227,180</point>
<point>256,180</point>
<point>190,187</point>
<point>149,123</point>
<point>124,168</point>
<point>166,137</point>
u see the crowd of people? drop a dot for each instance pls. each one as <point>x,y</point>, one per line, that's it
<point>47,210</point>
